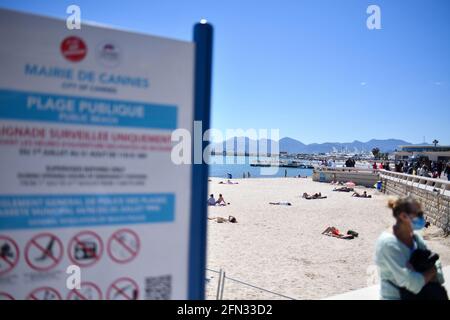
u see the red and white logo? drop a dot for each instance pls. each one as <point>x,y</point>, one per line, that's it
<point>73,49</point>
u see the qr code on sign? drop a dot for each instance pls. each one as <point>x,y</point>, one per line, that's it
<point>158,288</point>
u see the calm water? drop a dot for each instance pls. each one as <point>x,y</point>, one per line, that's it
<point>238,165</point>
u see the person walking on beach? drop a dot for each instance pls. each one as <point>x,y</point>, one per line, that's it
<point>399,279</point>
<point>285,173</point>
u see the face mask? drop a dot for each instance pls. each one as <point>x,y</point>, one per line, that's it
<point>418,223</point>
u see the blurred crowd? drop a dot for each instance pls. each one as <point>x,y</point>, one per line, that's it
<point>424,168</point>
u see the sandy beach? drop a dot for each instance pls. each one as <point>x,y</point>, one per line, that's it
<point>281,248</point>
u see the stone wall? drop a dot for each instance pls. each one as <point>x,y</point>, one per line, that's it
<point>436,205</point>
<point>366,178</point>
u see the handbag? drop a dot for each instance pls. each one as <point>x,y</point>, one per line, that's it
<point>422,260</point>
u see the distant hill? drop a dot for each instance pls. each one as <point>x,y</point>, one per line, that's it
<point>290,145</point>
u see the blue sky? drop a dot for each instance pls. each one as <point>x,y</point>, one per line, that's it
<point>308,67</point>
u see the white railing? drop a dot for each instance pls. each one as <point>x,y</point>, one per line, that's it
<point>426,183</point>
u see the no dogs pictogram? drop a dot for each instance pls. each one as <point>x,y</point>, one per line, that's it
<point>87,291</point>
<point>43,252</point>
<point>44,293</point>
<point>85,248</point>
<point>9,254</point>
<point>123,289</point>
<point>123,246</point>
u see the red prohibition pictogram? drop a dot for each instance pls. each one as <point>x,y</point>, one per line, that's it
<point>9,254</point>
<point>123,289</point>
<point>6,296</point>
<point>43,252</point>
<point>123,245</point>
<point>44,293</point>
<point>85,248</point>
<point>87,291</point>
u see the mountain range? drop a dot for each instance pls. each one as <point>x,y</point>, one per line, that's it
<point>290,145</point>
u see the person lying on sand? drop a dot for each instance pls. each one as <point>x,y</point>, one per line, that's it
<point>230,219</point>
<point>283,203</point>
<point>363,195</point>
<point>314,196</point>
<point>221,201</point>
<point>228,182</point>
<point>334,232</point>
<point>343,189</point>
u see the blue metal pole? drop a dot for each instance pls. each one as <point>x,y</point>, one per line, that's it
<point>203,39</point>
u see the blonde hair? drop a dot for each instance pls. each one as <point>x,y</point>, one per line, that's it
<point>406,204</point>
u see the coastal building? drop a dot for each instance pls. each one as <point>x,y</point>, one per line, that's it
<point>433,153</point>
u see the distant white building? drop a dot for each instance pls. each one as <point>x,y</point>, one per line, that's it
<point>434,153</point>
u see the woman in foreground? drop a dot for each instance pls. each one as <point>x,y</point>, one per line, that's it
<point>394,250</point>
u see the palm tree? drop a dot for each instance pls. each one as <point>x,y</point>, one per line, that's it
<point>435,142</point>
<point>376,152</point>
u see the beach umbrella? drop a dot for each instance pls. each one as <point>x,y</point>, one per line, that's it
<point>350,184</point>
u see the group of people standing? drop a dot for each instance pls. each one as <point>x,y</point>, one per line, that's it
<point>424,168</point>
<point>382,165</point>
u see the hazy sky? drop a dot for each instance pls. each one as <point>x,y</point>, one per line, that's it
<point>310,68</point>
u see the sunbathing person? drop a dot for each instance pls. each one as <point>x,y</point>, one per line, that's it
<point>334,232</point>
<point>221,201</point>
<point>283,203</point>
<point>314,196</point>
<point>228,182</point>
<point>211,200</point>
<point>363,195</point>
<point>343,189</point>
<point>230,219</point>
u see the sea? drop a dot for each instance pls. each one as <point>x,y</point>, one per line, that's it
<point>237,166</point>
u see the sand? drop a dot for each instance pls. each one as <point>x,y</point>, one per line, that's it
<point>281,248</point>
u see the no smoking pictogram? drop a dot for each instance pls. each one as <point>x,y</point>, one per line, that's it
<point>6,296</point>
<point>85,248</point>
<point>9,254</point>
<point>87,291</point>
<point>123,289</point>
<point>44,293</point>
<point>43,252</point>
<point>123,246</point>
